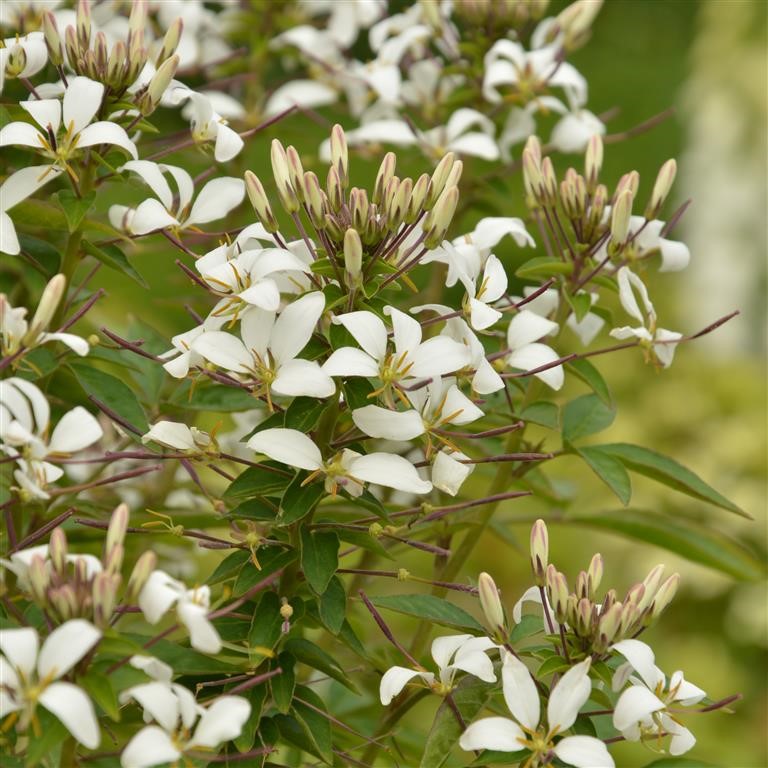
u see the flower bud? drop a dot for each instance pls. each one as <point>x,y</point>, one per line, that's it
<point>629,616</point>
<point>418,197</point>
<point>116,65</point>
<point>539,552</point>
<point>64,601</point>
<point>549,181</point>
<point>118,525</point>
<point>584,611</point>
<point>439,180</point>
<point>282,175</point>
<point>390,191</point>
<point>83,24</point>
<point>71,46</point>
<point>630,181</point>
<point>582,586</point>
<point>557,587</point>
<point>359,208</point>
<point>399,204</point>
<point>170,41</point>
<point>594,575</point>
<point>295,172</point>
<point>575,22</point>
<point>593,161</point>
<point>340,154</point>
<point>597,207</point>
<point>607,627</point>
<point>490,603</point>
<point>39,579</point>
<point>332,228</point>
<point>141,572</point>
<point>258,198</point>
<point>635,594</point>
<point>113,560</point>
<point>454,176</point>
<point>52,39</point>
<point>57,550</point>
<point>533,147</point>
<point>158,85</point>
<point>661,188</point>
<point>386,172</point>
<point>313,198</point>
<point>442,215</point>
<point>664,595</point>
<point>532,177</point>
<point>620,218</point>
<point>651,584</point>
<point>49,303</point>
<point>100,54</point>
<point>104,596</point>
<point>137,21</point>
<point>335,190</point>
<point>353,257</point>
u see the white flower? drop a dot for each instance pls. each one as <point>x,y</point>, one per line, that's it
<point>214,201</point>
<point>24,425</point>
<point>574,130</point>
<point>642,709</point>
<point>346,19</point>
<point>523,333</point>
<point>161,592</point>
<point>548,301</point>
<point>22,56</point>
<point>659,341</point>
<point>347,469</point>
<point>181,356</point>
<point>208,125</point>
<point>449,471</point>
<point>73,115</point>
<point>172,434</point>
<point>268,352</point>
<point>411,359</point>
<point>304,94</point>
<point>32,675</point>
<point>526,731</point>
<point>174,710</point>
<point>645,237</point>
<point>23,560</point>
<point>451,654</point>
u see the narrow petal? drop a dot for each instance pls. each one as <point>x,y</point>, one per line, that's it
<point>635,705</point>
<point>45,112</point>
<point>368,331</point>
<point>150,746</point>
<point>24,182</point>
<point>302,93</point>
<point>82,100</point>
<point>158,702</point>
<point>443,648</point>
<point>640,655</point>
<point>481,315</point>
<point>77,344</point>
<point>390,471</point>
<point>568,696</point>
<point>75,710</point>
<point>9,240</point>
<point>497,733</point>
<point>20,134</point>
<point>393,681</point>
<point>105,132</point>
<point>225,350</point>
<point>389,425</point>
<point>520,692</point>
<point>158,595</point>
<point>350,361</point>
<point>448,474</point>
<point>295,325</point>
<point>584,752</point>
<point>303,377</point>
<point>406,330</point>
<point>222,721</point>
<point>527,327</point>
<point>228,144</point>
<point>288,446</point>
<point>216,199</point>
<point>172,434</point>
<point>65,646</point>
<point>459,404</point>
<point>686,693</point>
<point>152,174</point>
<point>149,216</point>
<point>202,634</point>
<point>77,429</point>
<point>20,648</point>
<point>533,356</point>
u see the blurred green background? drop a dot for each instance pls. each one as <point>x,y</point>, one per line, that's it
<point>707,59</point>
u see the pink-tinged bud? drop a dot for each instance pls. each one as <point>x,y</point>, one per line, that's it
<point>651,583</point>
<point>549,180</point>
<point>557,588</point>
<point>39,579</point>
<point>390,191</point>
<point>170,42</point>
<point>593,161</point>
<point>137,21</point>
<point>282,175</point>
<point>399,204</point>
<point>630,181</point>
<point>532,177</point>
<point>620,218</point>
<point>539,552</point>
<point>118,525</point>
<point>49,303</point>
<point>295,172</point>
<point>594,574</point>
<point>584,611</point>
<point>353,257</point>
<point>334,190</point>
<point>64,601</point>
<point>83,24</point>
<point>439,180</point>
<point>575,22</point>
<point>113,560</point>
<point>314,199</point>
<point>533,147</point>
<point>57,550</point>
<point>629,617</point>
<point>582,585</point>
<point>386,172</point>
<point>661,189</point>
<point>607,627</point>
<point>664,595</point>
<point>491,605</point>
<point>454,177</point>
<point>104,596</point>
<point>141,572</point>
<point>340,154</point>
<point>116,66</point>
<point>259,201</point>
<point>635,594</point>
<point>332,229</point>
<point>71,46</point>
<point>418,197</point>
<point>597,207</point>
<point>359,208</point>
<point>52,39</point>
<point>100,53</point>
<point>571,610</point>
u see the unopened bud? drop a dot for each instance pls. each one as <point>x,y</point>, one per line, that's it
<point>418,197</point>
<point>282,176</point>
<point>575,21</point>
<point>295,172</point>
<point>158,85</point>
<point>582,585</point>
<point>141,572</point>
<point>71,46</point>
<point>104,596</point>
<point>386,172</point>
<point>454,177</point>
<point>100,53</point>
<point>39,579</point>
<point>314,199</point>
<point>359,208</point>
<point>549,180</point>
<point>399,204</point>
<point>597,207</point>
<point>593,161</point>
<point>539,552</point>
<point>584,610</point>
<point>439,179</point>
<point>532,177</point>
<point>170,42</point>
<point>118,524</point>
<point>620,218</point>
<point>83,24</point>
<point>340,154</point>
<point>607,627</point>
<point>137,20</point>
<point>64,601</point>
<point>651,583</point>
<point>635,594</point>
<point>332,228</point>
<point>441,217</point>
<point>57,550</point>
<point>490,603</point>
<point>353,257</point>
<point>629,616</point>
<point>52,39</point>
<point>594,575</point>
<point>116,66</point>
<point>661,189</point>
<point>630,181</point>
<point>113,560</point>
<point>557,587</point>
<point>49,303</point>
<point>258,198</point>
<point>664,595</point>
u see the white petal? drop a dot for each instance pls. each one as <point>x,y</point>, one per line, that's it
<point>443,648</point>
<point>149,216</point>
<point>390,471</point>
<point>489,231</point>
<point>65,646</point>
<point>475,144</point>
<point>390,425</point>
<point>288,446</point>
<point>584,752</point>
<point>534,356</point>
<point>216,199</point>
<point>225,350</point>
<point>350,361</point>
<point>406,330</point>
<point>486,379</point>
<point>256,326</point>
<point>22,134</point>
<point>150,746</point>
<point>635,705</point>
<point>437,356</point>
<point>82,100</point>
<point>156,669</point>
<point>184,184</point>
<point>228,144</point>
<point>368,331</point>
<point>457,403</point>
<point>105,132</point>
<point>158,702</point>
<point>520,692</point>
<point>527,327</point>
<point>666,352</point>
<point>75,343</point>
<point>263,293</point>
<point>495,280</point>
<point>497,733</point>
<point>674,255</point>
<point>20,648</point>
<point>45,112</point>
<point>295,325</point>
<point>202,634</point>
<point>448,474</point>
<point>302,93</point>
<point>481,315</point>
<point>569,695</point>
<point>682,739</point>
<point>686,693</point>
<point>9,241</point>
<point>629,282</point>
<point>158,595</point>
<point>152,174</point>
<point>393,681</point>
<point>303,377</point>
<point>573,131</point>
<point>171,434</point>
<point>477,664</point>
<point>640,655</point>
<point>75,710</point>
<point>222,721</point>
<point>77,429</point>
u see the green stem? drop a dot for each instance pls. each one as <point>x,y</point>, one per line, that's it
<point>68,758</point>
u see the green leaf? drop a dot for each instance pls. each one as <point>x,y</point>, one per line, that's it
<point>356,391</point>
<point>693,541</point>
<point>41,251</point>
<point>294,732</point>
<point>543,267</point>
<point>254,509</point>
<point>266,623</point>
<point>585,416</point>
<point>319,557</point>
<point>470,696</point>
<point>679,762</point>
<point>580,303</point>
<point>664,470</point>
<point>553,664</point>
<point>111,256</point>
<point>258,481</point>
<point>298,501</point>
<point>430,608</point>
<point>315,657</point>
<point>75,208</point>
<point>609,469</point>
<point>590,375</point>
<point>283,684</point>
<point>113,392</point>
<point>186,661</point>
<point>99,686</point>
<point>304,413</point>
<point>544,413</point>
<point>53,735</point>
<point>212,398</point>
<point>332,606</point>
<point>271,559</point>
<point>529,625</point>
<point>316,726</point>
